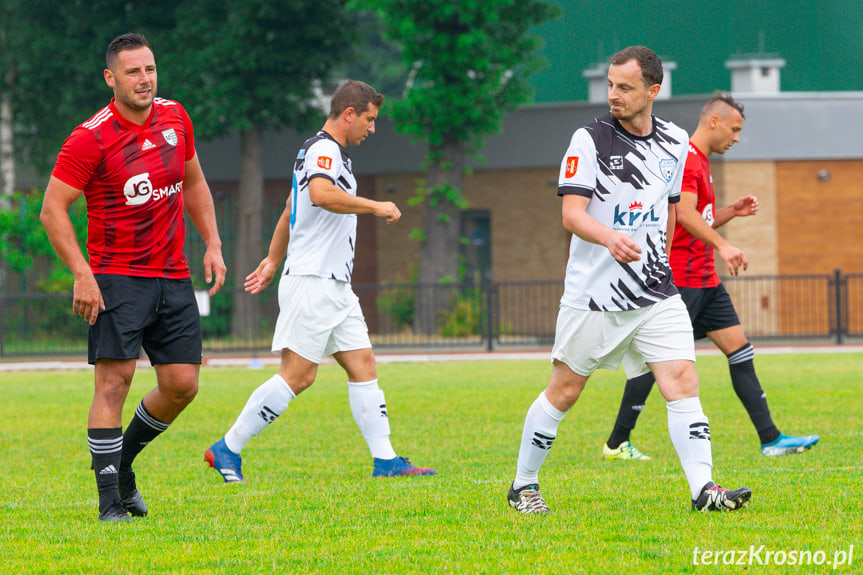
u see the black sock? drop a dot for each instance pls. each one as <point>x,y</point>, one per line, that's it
<point>748,389</point>
<point>105,448</point>
<point>634,395</point>
<point>143,429</point>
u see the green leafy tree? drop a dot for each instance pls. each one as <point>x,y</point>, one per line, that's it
<point>469,65</point>
<point>246,67</point>
<point>51,62</point>
<point>26,243</point>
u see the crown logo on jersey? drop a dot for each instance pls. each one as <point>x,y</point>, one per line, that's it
<point>148,145</point>
<point>636,206</point>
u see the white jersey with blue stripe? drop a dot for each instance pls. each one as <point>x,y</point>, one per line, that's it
<point>322,243</point>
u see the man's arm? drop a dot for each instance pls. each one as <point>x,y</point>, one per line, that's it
<point>669,228</point>
<point>86,295</point>
<point>199,205</point>
<point>691,220</point>
<point>266,270</point>
<point>577,221</point>
<point>327,195</point>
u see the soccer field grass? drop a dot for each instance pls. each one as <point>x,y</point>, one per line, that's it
<point>311,505</point>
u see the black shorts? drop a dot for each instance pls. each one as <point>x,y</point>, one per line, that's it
<point>709,309</point>
<point>159,314</point>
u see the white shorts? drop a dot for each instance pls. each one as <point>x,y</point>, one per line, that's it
<point>318,317</point>
<point>589,340</point>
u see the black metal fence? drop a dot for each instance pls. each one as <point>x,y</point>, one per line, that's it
<point>826,308</point>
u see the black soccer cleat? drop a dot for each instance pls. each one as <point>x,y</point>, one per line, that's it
<point>716,498</point>
<point>115,513</point>
<point>130,497</point>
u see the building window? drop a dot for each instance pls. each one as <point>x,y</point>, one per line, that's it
<point>476,246</point>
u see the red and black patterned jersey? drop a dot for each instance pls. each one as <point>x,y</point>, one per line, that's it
<point>132,178</point>
<point>692,261</point>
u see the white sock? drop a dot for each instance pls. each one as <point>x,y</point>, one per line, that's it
<point>370,412</point>
<point>690,434</point>
<point>540,430</point>
<point>265,404</point>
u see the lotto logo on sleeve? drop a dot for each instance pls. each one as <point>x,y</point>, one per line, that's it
<point>325,162</point>
<point>571,166</point>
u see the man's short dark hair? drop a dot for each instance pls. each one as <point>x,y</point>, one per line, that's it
<point>354,94</point>
<point>718,99</point>
<point>651,65</point>
<point>130,41</point>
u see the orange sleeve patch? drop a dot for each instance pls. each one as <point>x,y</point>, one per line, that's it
<point>571,166</point>
<point>325,162</point>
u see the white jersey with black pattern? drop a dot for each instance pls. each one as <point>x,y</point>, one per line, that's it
<point>322,243</point>
<point>630,181</point>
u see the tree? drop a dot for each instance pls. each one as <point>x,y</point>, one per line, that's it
<point>247,67</point>
<point>469,62</point>
<point>51,58</point>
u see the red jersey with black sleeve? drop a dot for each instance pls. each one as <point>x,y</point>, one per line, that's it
<point>691,259</point>
<point>132,178</point>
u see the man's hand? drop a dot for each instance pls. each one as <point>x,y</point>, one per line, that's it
<point>87,298</point>
<point>389,211</point>
<point>214,264</point>
<point>261,277</point>
<point>623,248</point>
<point>745,206</point>
<point>734,258</point>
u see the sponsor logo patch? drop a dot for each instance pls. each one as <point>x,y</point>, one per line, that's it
<point>325,162</point>
<point>571,166</point>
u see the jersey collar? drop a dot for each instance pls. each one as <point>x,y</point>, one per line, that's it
<point>330,137</point>
<point>131,125</point>
<point>620,128</point>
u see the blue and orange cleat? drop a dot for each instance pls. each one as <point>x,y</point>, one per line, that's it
<point>225,461</point>
<point>399,466</point>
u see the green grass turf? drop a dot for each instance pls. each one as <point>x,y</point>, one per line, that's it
<point>311,505</point>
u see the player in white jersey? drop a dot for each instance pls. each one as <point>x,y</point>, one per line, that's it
<point>319,314</point>
<point>619,181</point>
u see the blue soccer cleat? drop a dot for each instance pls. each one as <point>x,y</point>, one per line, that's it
<point>788,445</point>
<point>399,466</point>
<point>225,461</point>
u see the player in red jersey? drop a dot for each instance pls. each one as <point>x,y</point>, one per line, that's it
<point>709,305</point>
<point>136,165</point>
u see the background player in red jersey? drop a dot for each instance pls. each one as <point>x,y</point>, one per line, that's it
<point>136,165</point>
<point>709,304</point>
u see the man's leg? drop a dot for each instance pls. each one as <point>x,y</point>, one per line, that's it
<point>740,353</point>
<point>177,385</point>
<point>538,435</point>
<point>105,433</point>
<point>369,408</point>
<point>265,404</point>
<point>635,395</point>
<point>690,434</point>
<point>687,424</point>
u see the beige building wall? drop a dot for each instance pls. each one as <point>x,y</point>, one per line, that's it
<point>756,300</point>
<point>527,235</point>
